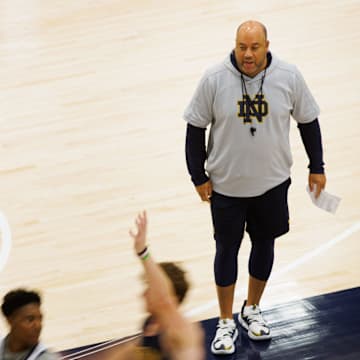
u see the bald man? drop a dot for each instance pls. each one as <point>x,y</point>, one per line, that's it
<point>244,170</point>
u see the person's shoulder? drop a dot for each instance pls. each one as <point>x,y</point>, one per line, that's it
<point>284,66</point>
<point>216,69</point>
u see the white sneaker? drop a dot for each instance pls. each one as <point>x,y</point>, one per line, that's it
<point>251,319</point>
<point>225,337</point>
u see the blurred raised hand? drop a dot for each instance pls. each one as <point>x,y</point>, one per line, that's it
<point>139,235</point>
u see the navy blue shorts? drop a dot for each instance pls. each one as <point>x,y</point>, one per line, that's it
<point>264,215</point>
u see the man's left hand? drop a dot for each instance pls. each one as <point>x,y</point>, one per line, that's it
<point>317,181</point>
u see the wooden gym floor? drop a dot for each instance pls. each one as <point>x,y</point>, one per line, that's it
<point>92,95</point>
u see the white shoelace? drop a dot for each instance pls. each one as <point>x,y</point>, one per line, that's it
<point>223,331</point>
<point>256,317</point>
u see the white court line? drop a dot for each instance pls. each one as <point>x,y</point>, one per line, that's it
<point>75,355</point>
<point>93,347</point>
<point>293,265</point>
<point>322,248</point>
<point>6,241</point>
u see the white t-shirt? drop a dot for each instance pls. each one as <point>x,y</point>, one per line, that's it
<point>241,162</point>
<point>38,353</point>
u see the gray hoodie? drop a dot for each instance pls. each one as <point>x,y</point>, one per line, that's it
<point>241,161</point>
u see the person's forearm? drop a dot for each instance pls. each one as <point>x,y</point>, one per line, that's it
<point>156,277</point>
<point>195,150</point>
<point>311,138</point>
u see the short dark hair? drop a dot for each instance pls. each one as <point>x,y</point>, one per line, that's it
<point>178,279</point>
<point>18,298</point>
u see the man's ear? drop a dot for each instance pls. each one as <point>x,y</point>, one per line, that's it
<point>9,320</point>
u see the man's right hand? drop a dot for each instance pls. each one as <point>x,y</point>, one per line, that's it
<point>139,235</point>
<point>205,191</point>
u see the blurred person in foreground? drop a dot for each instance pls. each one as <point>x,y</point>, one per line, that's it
<point>176,338</point>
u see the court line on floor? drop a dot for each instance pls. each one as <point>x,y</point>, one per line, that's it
<point>293,265</point>
<point>6,240</point>
<point>98,348</point>
<point>322,248</point>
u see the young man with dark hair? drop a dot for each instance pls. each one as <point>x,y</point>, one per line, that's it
<point>21,309</point>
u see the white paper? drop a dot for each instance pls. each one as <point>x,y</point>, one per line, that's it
<point>325,201</point>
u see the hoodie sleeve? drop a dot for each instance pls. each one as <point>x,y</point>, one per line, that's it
<point>200,110</point>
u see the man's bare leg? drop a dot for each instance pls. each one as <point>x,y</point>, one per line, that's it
<point>226,299</point>
<point>255,290</point>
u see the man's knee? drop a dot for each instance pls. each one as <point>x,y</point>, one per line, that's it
<point>261,257</point>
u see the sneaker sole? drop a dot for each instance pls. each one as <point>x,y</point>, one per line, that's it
<point>244,324</point>
<point>226,352</point>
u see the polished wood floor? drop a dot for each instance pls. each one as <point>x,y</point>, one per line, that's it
<point>91,97</point>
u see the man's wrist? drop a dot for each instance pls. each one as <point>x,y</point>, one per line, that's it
<point>144,254</point>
